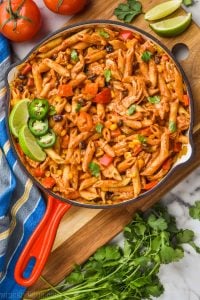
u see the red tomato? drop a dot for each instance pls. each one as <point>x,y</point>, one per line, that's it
<point>65,90</point>
<point>125,35</point>
<point>19,20</point>
<point>65,7</point>
<point>103,97</point>
<point>48,182</point>
<point>106,160</point>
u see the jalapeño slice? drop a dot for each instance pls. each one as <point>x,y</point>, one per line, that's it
<point>38,109</point>
<point>47,140</point>
<point>38,127</point>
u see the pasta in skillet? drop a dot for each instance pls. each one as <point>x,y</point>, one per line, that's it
<point>121,113</point>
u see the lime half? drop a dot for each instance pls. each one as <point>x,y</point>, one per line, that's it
<point>29,145</point>
<point>162,10</point>
<point>19,116</point>
<point>172,27</point>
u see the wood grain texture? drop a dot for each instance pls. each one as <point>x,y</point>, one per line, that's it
<point>82,230</point>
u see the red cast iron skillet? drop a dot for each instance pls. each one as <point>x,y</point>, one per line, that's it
<point>41,241</point>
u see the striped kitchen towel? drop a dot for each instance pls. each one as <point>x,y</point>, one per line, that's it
<point>21,204</point>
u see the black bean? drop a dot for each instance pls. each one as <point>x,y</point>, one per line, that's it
<point>107,83</point>
<point>125,93</point>
<point>57,118</point>
<point>20,88</point>
<point>136,65</point>
<point>109,48</point>
<point>120,123</point>
<point>82,145</point>
<point>157,59</point>
<point>82,102</point>
<point>108,195</point>
<point>20,76</point>
<point>92,77</point>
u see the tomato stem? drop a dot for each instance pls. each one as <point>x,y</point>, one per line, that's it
<point>15,15</point>
<point>60,2</point>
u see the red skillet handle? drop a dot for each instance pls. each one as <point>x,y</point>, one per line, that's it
<point>40,244</point>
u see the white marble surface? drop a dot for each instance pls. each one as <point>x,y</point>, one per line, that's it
<point>181,280</point>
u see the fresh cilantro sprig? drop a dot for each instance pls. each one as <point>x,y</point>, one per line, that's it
<point>146,56</point>
<point>128,11</point>
<point>194,210</point>
<point>94,169</point>
<point>107,75</point>
<point>131,272</point>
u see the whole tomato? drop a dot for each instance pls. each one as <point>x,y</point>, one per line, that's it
<point>65,7</point>
<point>20,20</point>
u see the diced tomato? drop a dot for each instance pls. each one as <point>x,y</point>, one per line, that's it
<point>177,147</point>
<point>106,160</point>
<point>30,82</point>
<point>116,132</point>
<point>103,97</point>
<point>186,100</point>
<point>91,89</point>
<point>38,172</point>
<point>167,164</point>
<point>84,121</point>
<point>165,57</point>
<point>126,35</point>
<point>27,68</point>
<point>65,90</point>
<point>150,185</point>
<point>48,182</point>
<point>146,131</point>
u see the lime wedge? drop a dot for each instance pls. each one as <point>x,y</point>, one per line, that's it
<point>162,10</point>
<point>172,27</point>
<point>19,116</point>
<point>29,145</point>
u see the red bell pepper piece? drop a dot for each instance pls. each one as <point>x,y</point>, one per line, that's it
<point>38,172</point>
<point>126,35</point>
<point>65,90</point>
<point>177,147</point>
<point>167,164</point>
<point>48,182</point>
<point>106,160</point>
<point>150,185</point>
<point>27,68</point>
<point>186,100</point>
<point>103,97</point>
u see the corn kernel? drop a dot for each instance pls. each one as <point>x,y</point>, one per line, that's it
<point>127,155</point>
<point>47,173</point>
<point>59,172</point>
<point>69,67</point>
<point>63,132</point>
<point>113,126</point>
<point>140,163</point>
<point>70,176</point>
<point>112,94</point>
<point>133,143</point>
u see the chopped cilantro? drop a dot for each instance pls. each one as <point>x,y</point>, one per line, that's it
<point>154,99</point>
<point>128,11</point>
<point>74,55</point>
<point>172,126</point>
<point>107,75</point>
<point>146,56</point>
<point>78,107</point>
<point>142,139</point>
<point>94,169</point>
<point>131,109</point>
<point>104,34</point>
<point>99,128</point>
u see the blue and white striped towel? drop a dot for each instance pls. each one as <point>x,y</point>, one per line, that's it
<point>21,205</point>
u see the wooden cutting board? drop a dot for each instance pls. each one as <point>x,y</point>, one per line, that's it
<point>83,230</point>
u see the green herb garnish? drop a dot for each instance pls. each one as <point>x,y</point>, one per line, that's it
<point>78,107</point>
<point>74,55</point>
<point>128,11</point>
<point>94,169</point>
<point>131,272</point>
<point>188,2</point>
<point>107,75</point>
<point>146,56</point>
<point>142,139</point>
<point>104,34</point>
<point>154,99</point>
<point>99,128</point>
<point>172,126</point>
<point>194,210</point>
<point>52,110</point>
<point>131,109</point>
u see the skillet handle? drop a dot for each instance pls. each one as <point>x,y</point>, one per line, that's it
<point>39,245</point>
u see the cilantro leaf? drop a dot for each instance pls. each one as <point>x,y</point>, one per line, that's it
<point>99,128</point>
<point>172,126</point>
<point>194,210</point>
<point>157,223</point>
<point>131,109</point>
<point>74,55</point>
<point>128,11</point>
<point>104,34</point>
<point>154,99</point>
<point>168,254</point>
<point>94,169</point>
<point>107,75</point>
<point>185,236</point>
<point>146,56</point>
<point>52,110</point>
<point>78,107</point>
<point>142,139</point>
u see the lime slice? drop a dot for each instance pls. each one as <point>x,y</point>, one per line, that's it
<point>172,27</point>
<point>19,116</point>
<point>29,145</point>
<point>162,10</point>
